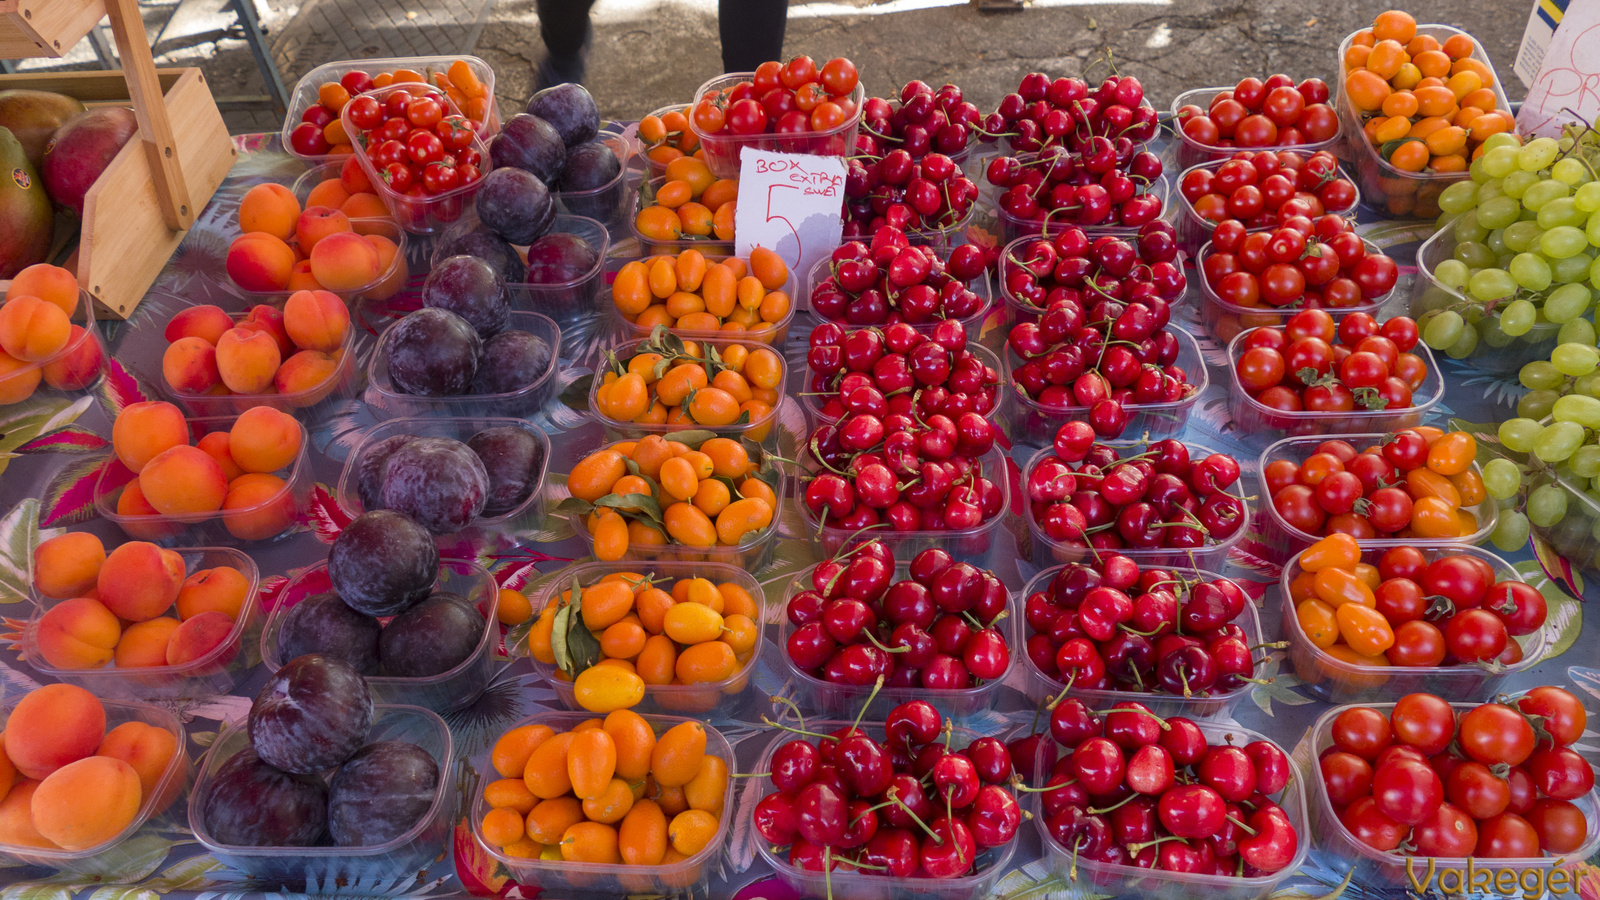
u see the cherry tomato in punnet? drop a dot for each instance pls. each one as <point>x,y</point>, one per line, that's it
<point>1363,731</point>
<point>1495,733</point>
<point>1564,716</point>
<point>1423,721</point>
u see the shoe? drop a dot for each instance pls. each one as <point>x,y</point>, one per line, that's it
<point>552,71</point>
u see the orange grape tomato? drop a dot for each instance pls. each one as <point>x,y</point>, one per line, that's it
<point>1469,485</point>
<point>1302,588</point>
<point>1364,629</point>
<point>1424,483</point>
<point>1452,453</point>
<point>1432,517</point>
<point>1318,621</point>
<point>1337,587</point>
<point>1334,551</point>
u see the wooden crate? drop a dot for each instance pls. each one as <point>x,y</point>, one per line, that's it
<point>143,204</point>
<point>50,28</point>
<point>125,240</point>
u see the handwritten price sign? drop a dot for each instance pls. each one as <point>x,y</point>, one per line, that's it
<point>1566,89</point>
<point>789,203</point>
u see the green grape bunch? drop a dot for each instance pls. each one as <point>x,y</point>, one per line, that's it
<point>1553,472</point>
<point>1526,247</point>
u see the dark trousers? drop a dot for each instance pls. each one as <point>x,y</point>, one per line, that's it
<point>751,30</point>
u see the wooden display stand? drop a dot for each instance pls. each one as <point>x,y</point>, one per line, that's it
<point>146,200</point>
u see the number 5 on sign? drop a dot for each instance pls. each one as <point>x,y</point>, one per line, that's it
<point>789,203</point>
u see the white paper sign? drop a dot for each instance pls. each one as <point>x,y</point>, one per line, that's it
<point>790,203</point>
<point>1566,87</point>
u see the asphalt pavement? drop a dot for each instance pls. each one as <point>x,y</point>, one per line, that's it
<point>647,53</point>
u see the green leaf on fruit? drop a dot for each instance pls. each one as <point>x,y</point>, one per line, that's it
<point>561,625</point>
<point>692,438</point>
<point>575,505</point>
<point>576,395</point>
<point>637,505</point>
<point>1563,616</point>
<point>582,646</point>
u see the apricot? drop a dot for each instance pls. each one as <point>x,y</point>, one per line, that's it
<point>140,581</point>
<point>47,282</point>
<point>8,772</point>
<point>366,206</point>
<point>222,589</point>
<point>216,446</point>
<point>33,330</point>
<point>18,379</point>
<point>79,364</point>
<point>247,360</point>
<point>190,366</point>
<point>87,802</point>
<point>16,818</point>
<point>304,371</point>
<point>390,261</point>
<point>131,503</point>
<point>329,193</point>
<point>143,430</point>
<point>206,322</point>
<point>184,480</point>
<point>301,279</point>
<point>264,440</point>
<point>316,320</point>
<point>78,634</point>
<point>257,507</point>
<point>52,726</point>
<point>345,261</point>
<point>144,644</point>
<point>269,208</point>
<point>67,565</point>
<point>259,262</point>
<point>269,319</point>
<point>147,748</point>
<point>198,636</point>
<point>318,222</point>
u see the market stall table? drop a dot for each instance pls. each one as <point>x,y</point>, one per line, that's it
<point>48,485</point>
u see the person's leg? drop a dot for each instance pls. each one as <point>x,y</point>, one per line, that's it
<point>564,25</point>
<point>751,32</point>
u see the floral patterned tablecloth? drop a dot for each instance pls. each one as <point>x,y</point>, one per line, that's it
<point>52,451</point>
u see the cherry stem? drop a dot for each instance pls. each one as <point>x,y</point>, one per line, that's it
<point>799,731</point>
<point>869,809</point>
<point>1018,785</point>
<point>867,632</point>
<point>1143,712</point>
<point>1271,645</point>
<point>1136,849</point>
<point>1245,828</point>
<point>799,716</point>
<point>876,687</point>
<point>1103,810</point>
<point>1033,726</point>
<point>937,840</point>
